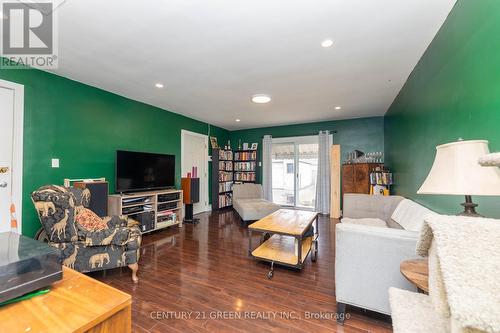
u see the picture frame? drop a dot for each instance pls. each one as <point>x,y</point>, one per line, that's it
<point>254,146</point>
<point>245,146</point>
<point>213,142</point>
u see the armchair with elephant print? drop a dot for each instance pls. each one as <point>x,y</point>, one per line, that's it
<point>87,242</point>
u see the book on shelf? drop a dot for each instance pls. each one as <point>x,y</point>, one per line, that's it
<point>245,155</point>
<point>225,187</point>
<point>167,218</point>
<point>381,178</point>
<point>225,200</point>
<point>165,213</point>
<point>244,166</point>
<point>244,176</point>
<point>226,165</point>
<point>225,176</point>
<point>226,155</point>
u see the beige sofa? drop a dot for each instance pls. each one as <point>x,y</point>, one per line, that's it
<point>249,203</point>
<point>376,233</point>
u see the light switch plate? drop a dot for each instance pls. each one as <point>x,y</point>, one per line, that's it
<point>55,163</point>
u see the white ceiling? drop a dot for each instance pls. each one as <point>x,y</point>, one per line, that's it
<point>213,55</point>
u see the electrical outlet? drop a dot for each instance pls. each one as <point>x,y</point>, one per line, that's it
<point>55,163</point>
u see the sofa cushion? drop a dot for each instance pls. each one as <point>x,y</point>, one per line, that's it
<point>254,209</point>
<point>247,191</point>
<point>410,215</point>
<point>373,222</point>
<point>357,205</point>
<point>393,224</point>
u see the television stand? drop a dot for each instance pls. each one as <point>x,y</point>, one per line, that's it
<point>154,210</point>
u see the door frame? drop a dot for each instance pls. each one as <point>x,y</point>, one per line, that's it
<point>206,206</point>
<point>17,148</point>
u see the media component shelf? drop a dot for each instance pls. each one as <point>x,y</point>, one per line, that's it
<point>154,210</point>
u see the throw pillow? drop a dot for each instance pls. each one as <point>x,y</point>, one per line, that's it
<point>89,220</point>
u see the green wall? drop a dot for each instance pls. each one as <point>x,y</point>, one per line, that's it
<point>453,92</point>
<point>83,126</point>
<point>365,134</point>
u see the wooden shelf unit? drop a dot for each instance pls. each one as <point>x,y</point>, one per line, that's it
<point>222,178</point>
<point>245,166</point>
<point>118,204</point>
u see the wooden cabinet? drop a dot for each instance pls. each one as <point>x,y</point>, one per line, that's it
<point>356,177</point>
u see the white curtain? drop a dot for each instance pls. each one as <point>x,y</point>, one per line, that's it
<point>267,167</point>
<point>323,180</point>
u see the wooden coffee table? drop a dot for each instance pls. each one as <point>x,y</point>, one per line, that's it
<point>77,303</point>
<point>417,272</point>
<point>283,241</point>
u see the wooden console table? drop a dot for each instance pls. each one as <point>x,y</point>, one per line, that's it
<point>77,303</point>
<point>417,272</point>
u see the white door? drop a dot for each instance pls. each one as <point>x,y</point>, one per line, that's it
<point>11,100</point>
<point>194,152</point>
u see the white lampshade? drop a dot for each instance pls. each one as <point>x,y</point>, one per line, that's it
<point>456,171</point>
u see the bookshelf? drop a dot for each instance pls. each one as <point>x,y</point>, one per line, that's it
<point>222,178</point>
<point>245,166</point>
<point>380,181</point>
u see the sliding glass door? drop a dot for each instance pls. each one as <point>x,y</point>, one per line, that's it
<point>294,171</point>
<point>283,173</point>
<point>307,158</point>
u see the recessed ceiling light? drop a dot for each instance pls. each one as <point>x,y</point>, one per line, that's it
<point>338,107</point>
<point>159,85</point>
<point>237,120</point>
<point>261,98</point>
<point>327,43</point>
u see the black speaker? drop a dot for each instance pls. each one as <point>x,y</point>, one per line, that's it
<point>191,190</point>
<point>195,190</point>
<point>98,196</point>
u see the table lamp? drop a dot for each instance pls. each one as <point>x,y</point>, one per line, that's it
<point>456,171</point>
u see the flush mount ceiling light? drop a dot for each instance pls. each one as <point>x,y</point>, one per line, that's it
<point>159,85</point>
<point>237,120</point>
<point>338,107</point>
<point>261,98</point>
<point>327,43</point>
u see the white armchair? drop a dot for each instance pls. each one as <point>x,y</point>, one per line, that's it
<point>367,257</point>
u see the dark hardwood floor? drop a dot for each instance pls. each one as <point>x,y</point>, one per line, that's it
<point>200,279</point>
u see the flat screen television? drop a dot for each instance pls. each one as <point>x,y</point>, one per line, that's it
<point>137,171</point>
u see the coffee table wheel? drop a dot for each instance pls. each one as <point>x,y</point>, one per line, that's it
<point>314,254</point>
<point>270,274</point>
<point>264,237</point>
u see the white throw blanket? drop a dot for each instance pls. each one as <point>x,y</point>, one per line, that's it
<point>467,253</point>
